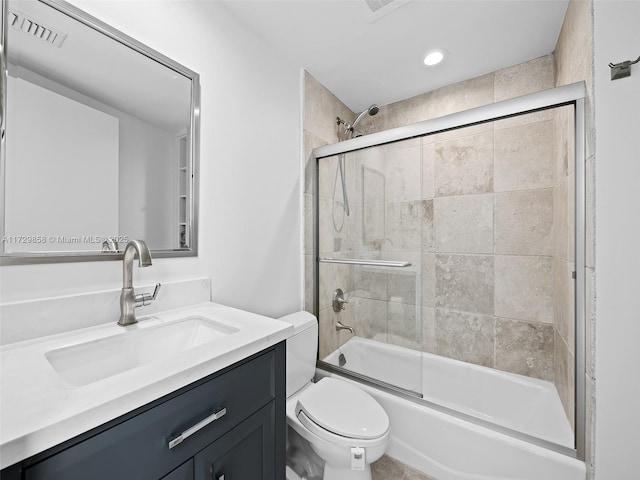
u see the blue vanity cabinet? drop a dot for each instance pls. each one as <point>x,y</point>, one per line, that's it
<point>233,420</point>
<point>243,453</point>
<point>183,472</point>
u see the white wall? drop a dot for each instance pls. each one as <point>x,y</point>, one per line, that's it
<point>617,104</point>
<point>249,192</point>
<point>147,182</point>
<point>61,194</point>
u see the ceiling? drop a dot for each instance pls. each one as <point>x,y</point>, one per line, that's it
<point>96,66</point>
<point>366,58</point>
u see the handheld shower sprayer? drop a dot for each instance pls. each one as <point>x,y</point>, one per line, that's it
<point>372,110</point>
<point>351,132</point>
<point>350,128</point>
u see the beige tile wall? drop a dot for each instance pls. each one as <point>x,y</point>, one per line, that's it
<point>321,108</point>
<point>476,208</point>
<point>473,207</point>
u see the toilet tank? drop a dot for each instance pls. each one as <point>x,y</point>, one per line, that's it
<point>302,349</point>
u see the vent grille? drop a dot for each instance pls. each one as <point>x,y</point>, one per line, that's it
<point>376,5</point>
<point>35,28</point>
<point>382,8</point>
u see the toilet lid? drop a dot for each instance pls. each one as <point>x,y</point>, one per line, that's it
<point>343,409</point>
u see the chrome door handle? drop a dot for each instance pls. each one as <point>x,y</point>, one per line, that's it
<point>198,426</point>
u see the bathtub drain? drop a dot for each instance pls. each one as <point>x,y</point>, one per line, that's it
<point>342,360</point>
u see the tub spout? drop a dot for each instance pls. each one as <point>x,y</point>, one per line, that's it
<point>341,326</point>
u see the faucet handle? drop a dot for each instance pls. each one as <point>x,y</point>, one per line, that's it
<point>338,300</point>
<point>155,291</point>
<point>144,299</point>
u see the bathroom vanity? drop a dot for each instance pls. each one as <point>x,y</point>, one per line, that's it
<point>226,420</point>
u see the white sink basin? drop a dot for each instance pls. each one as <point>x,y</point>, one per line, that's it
<point>95,360</point>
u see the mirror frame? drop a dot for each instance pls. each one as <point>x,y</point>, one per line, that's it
<point>193,158</point>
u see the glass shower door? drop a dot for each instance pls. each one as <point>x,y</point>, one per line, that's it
<point>458,259</point>
<point>373,254</point>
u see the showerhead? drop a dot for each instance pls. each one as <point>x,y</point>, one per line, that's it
<point>372,110</point>
<point>350,129</point>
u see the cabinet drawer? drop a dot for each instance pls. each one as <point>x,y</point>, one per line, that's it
<point>246,453</point>
<point>139,447</point>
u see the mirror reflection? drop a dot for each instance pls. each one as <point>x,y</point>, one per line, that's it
<point>98,141</point>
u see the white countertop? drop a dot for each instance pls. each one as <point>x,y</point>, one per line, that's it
<point>38,410</point>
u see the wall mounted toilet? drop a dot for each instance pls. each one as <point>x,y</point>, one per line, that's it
<point>343,424</point>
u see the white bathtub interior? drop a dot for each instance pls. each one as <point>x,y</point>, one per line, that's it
<point>521,403</point>
<point>449,448</point>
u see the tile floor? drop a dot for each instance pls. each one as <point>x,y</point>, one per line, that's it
<point>388,468</point>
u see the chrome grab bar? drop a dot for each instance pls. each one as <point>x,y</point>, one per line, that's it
<point>373,263</point>
<point>198,426</point>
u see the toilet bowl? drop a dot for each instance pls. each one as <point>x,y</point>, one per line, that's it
<point>344,425</point>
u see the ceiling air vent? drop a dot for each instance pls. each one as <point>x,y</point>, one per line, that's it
<point>376,5</point>
<point>381,8</point>
<point>35,28</point>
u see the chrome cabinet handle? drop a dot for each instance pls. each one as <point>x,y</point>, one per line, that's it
<point>198,426</point>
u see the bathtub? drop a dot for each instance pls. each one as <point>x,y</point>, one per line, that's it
<point>451,448</point>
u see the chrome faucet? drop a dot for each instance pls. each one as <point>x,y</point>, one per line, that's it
<point>342,326</point>
<point>128,299</point>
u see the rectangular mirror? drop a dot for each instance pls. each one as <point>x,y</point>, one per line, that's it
<point>100,138</point>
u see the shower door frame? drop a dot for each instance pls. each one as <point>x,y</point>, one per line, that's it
<point>567,95</point>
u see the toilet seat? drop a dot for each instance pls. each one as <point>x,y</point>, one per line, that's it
<point>331,408</point>
<point>320,433</point>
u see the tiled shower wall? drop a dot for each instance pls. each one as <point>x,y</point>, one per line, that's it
<point>474,208</point>
<point>321,108</point>
<point>481,200</point>
<point>520,320</point>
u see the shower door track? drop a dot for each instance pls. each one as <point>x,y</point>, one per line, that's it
<point>573,94</point>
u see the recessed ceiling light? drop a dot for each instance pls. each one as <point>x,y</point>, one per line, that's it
<point>434,57</point>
